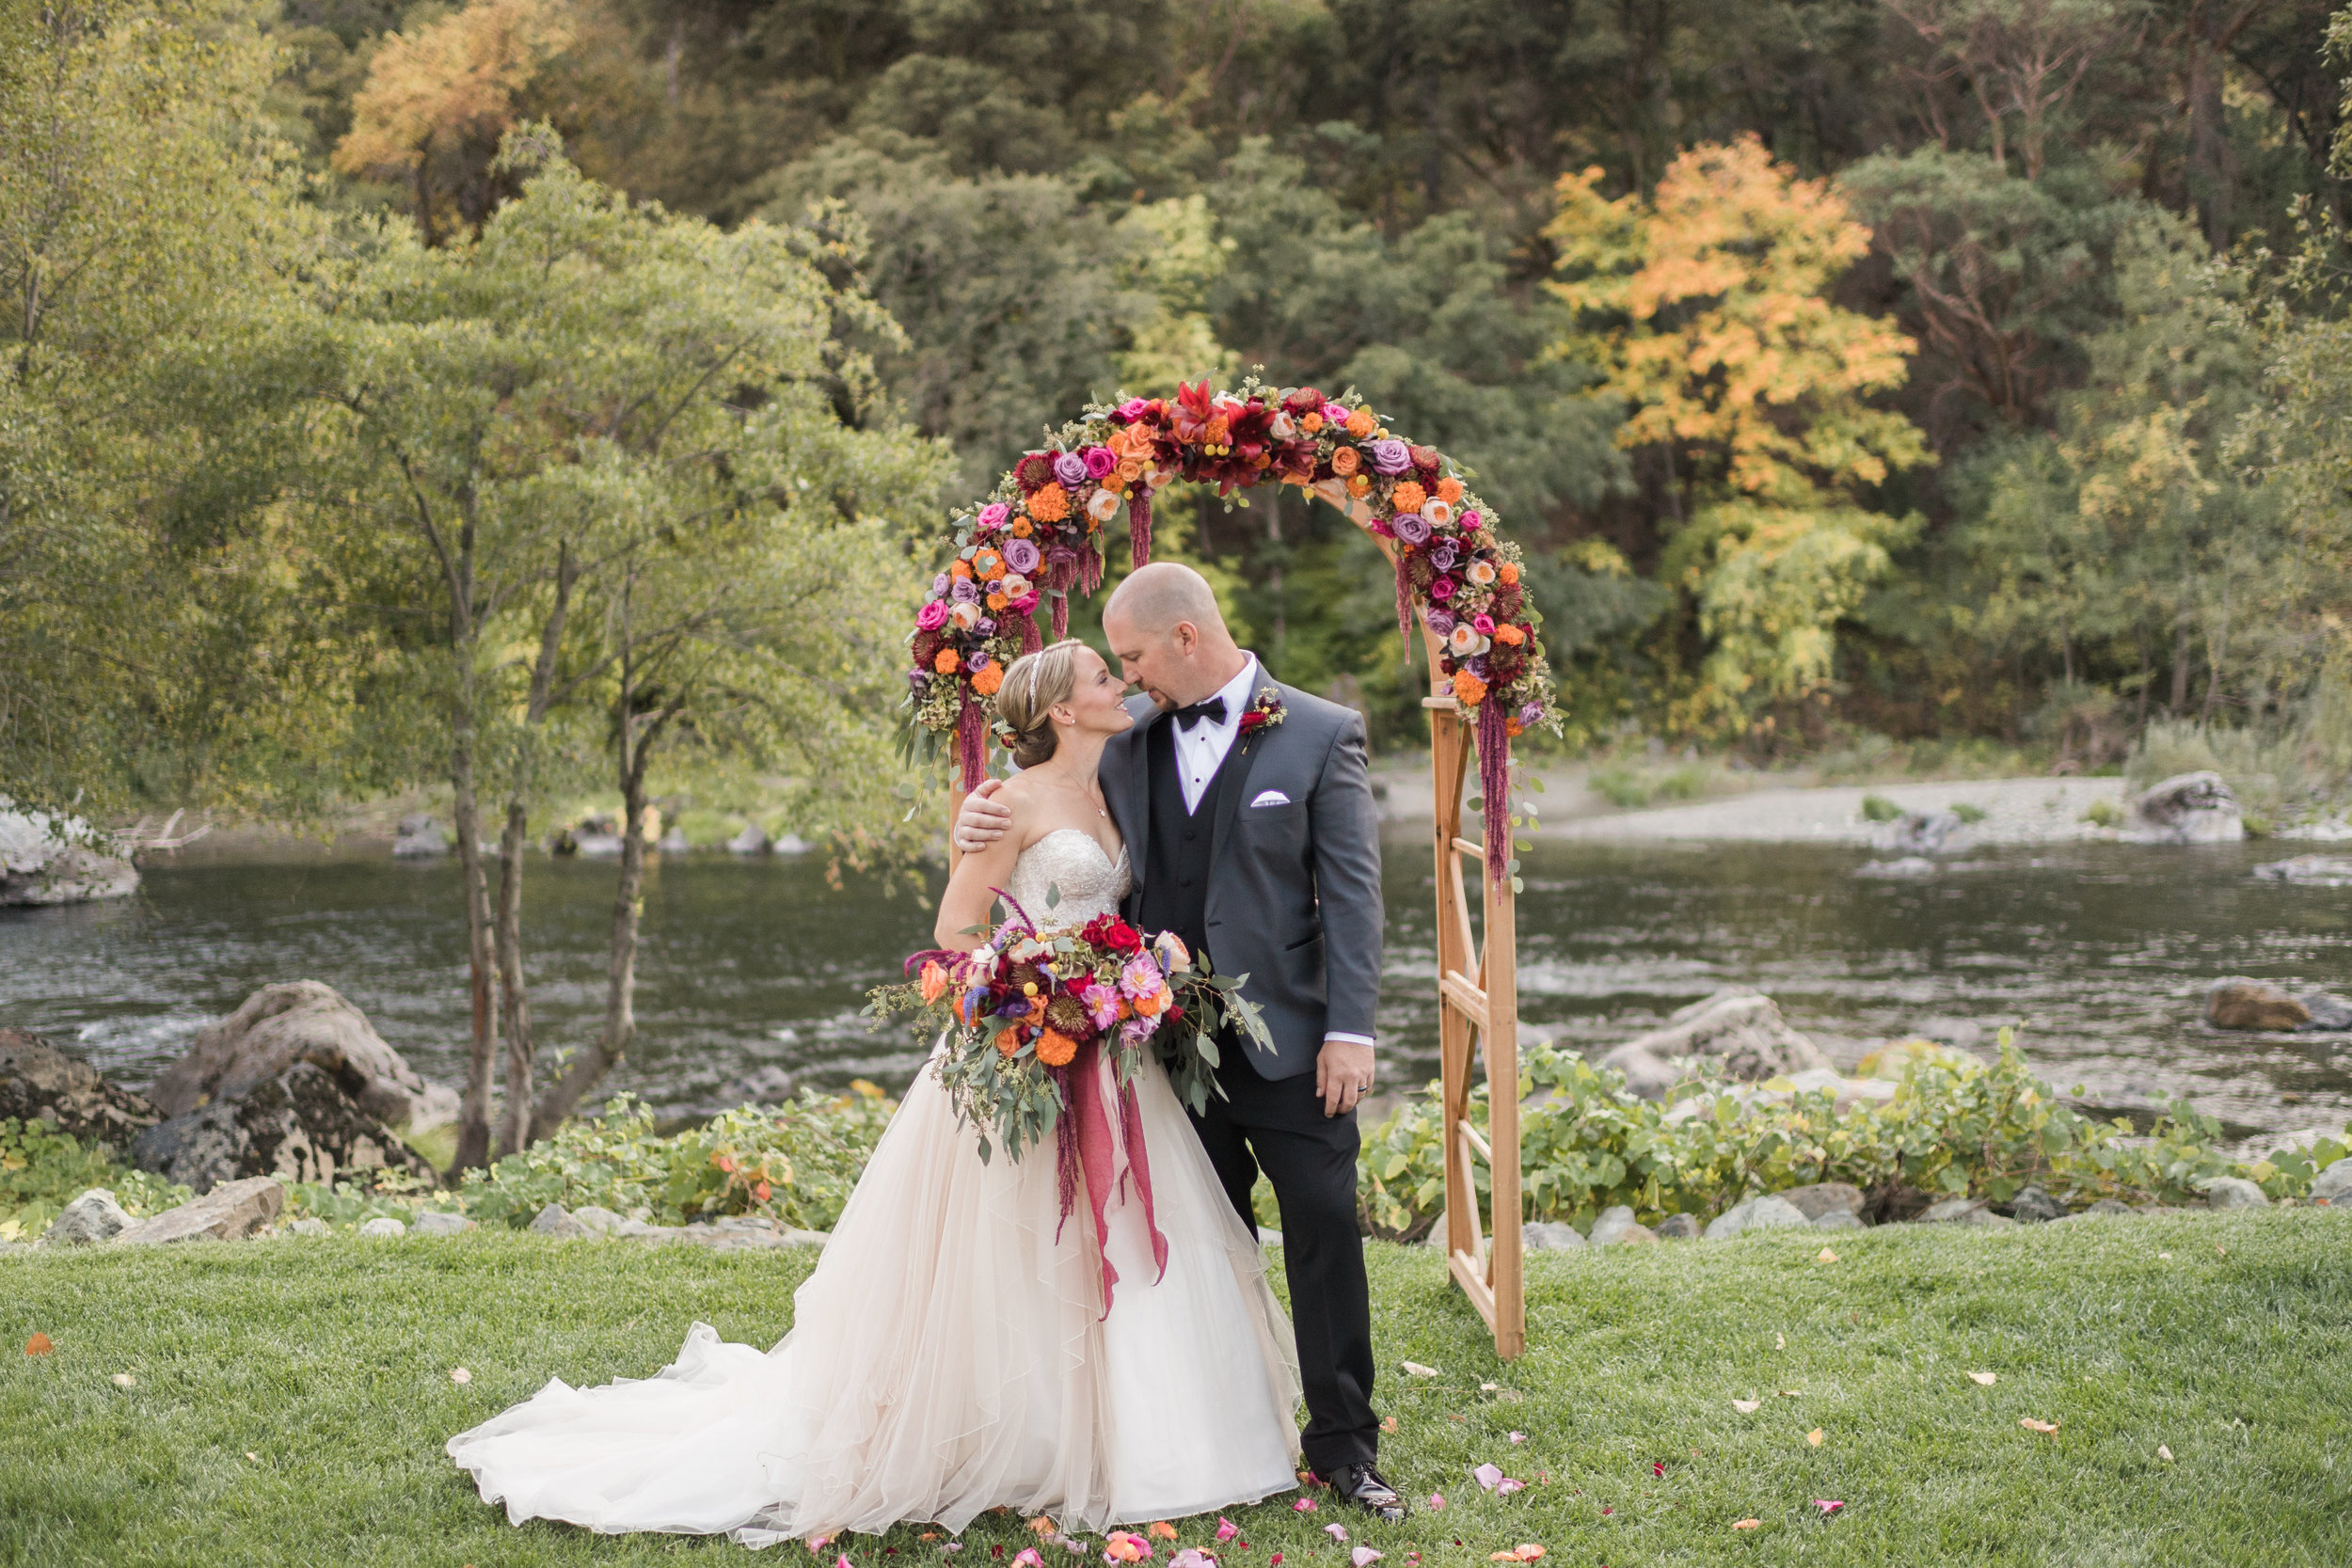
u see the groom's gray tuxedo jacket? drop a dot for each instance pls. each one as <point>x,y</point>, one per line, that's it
<point>1293,891</point>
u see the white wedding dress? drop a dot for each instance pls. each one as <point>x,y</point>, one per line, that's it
<point>950,1352</point>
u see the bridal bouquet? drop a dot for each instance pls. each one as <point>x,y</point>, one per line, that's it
<point>1035,1004</point>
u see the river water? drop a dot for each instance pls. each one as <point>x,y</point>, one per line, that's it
<point>755,970</point>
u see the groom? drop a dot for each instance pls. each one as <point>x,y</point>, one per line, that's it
<point>1262,851</point>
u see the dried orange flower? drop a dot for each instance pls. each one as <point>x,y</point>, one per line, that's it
<point>1450,491</point>
<point>948,662</point>
<point>1360,423</point>
<point>1407,497</point>
<point>1510,571</point>
<point>1311,422</point>
<point>1468,689</point>
<point>987,680</point>
<point>1055,1049</point>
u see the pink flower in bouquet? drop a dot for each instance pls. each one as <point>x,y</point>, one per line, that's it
<point>1441,590</point>
<point>1175,958</point>
<point>1027,604</point>
<point>1100,461</point>
<point>933,616</point>
<point>1485,625</point>
<point>1141,978</point>
<point>1467,522</point>
<point>1137,1030</point>
<point>993,516</point>
<point>1133,410</point>
<point>1334,414</point>
<point>966,615</point>
<point>1101,1003</point>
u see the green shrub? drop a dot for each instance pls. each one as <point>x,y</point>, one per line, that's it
<point>1949,1131</point>
<point>1685,783</point>
<point>794,1164</point>
<point>1969,814</point>
<point>2104,814</point>
<point>42,1170</point>
<point>1878,808</point>
<point>1620,784</point>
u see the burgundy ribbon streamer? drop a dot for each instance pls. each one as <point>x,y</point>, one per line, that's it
<point>1494,786</point>
<point>1404,602</point>
<point>971,748</point>
<point>1140,523</point>
<point>1088,1137</point>
<point>1030,638</point>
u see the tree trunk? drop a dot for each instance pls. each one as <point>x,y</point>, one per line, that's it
<point>514,999</point>
<point>473,1118</point>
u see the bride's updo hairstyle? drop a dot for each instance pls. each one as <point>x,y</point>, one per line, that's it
<point>1025,702</point>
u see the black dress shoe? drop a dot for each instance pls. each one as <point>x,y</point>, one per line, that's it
<point>1361,1484</point>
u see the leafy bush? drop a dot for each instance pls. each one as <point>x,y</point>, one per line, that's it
<point>41,1170</point>
<point>2104,814</point>
<point>1969,814</point>
<point>1949,1130</point>
<point>794,1164</point>
<point>1620,784</point>
<point>1878,808</point>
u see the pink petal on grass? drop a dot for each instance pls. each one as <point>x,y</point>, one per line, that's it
<point>1363,1556</point>
<point>1519,1437</point>
<point>1504,1487</point>
<point>1304,1505</point>
<point>1436,1502</point>
<point>1337,1532</point>
<point>1827,1505</point>
<point>1487,1477</point>
<point>1226,1529</point>
<point>1028,1556</point>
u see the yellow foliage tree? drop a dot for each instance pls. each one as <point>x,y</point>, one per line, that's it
<point>1706,310</point>
<point>436,100</point>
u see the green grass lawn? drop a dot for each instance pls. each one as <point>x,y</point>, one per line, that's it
<point>290,1398</point>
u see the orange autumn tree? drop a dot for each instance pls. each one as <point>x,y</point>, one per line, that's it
<point>437,100</point>
<point>1708,313</point>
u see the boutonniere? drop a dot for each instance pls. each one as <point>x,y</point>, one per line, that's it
<point>1263,714</point>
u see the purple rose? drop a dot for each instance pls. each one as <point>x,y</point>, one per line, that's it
<point>992,517</point>
<point>1467,522</point>
<point>933,616</point>
<point>1440,624</point>
<point>1391,456</point>
<point>964,592</point>
<point>1411,527</point>
<point>1021,556</point>
<point>1443,556</point>
<point>1100,461</point>
<point>914,681</point>
<point>1478,667</point>
<point>984,627</point>
<point>1531,713</point>
<point>1441,591</point>
<point>978,662</point>
<point>940,584</point>
<point>1069,469</point>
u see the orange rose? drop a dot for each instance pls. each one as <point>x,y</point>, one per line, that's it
<point>1311,422</point>
<point>1512,728</point>
<point>1055,1049</point>
<point>1007,1040</point>
<point>1359,486</point>
<point>1510,571</point>
<point>1129,469</point>
<point>1051,504</point>
<point>988,564</point>
<point>1345,461</point>
<point>987,680</point>
<point>1407,497</point>
<point>946,663</point>
<point>1133,441</point>
<point>934,982</point>
<point>1360,423</point>
<point>1450,491</point>
<point>1468,689</point>
<point>1508,633</point>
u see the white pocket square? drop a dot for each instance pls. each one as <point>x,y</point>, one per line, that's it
<point>1271,798</point>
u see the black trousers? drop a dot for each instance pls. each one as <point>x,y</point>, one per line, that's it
<point>1309,1160</point>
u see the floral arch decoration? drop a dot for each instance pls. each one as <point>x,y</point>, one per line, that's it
<point>1040,537</point>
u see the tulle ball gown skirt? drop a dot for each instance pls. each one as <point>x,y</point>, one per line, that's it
<point>948,1356</point>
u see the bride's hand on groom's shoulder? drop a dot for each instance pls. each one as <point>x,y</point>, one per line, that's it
<point>984,818</point>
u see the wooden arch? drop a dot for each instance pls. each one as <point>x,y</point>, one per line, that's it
<point>1477,982</point>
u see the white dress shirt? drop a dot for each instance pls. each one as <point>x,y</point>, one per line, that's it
<point>1201,748</point>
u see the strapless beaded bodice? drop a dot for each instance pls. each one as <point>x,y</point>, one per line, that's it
<point>1072,862</point>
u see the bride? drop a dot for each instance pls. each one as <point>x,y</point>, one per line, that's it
<point>952,1353</point>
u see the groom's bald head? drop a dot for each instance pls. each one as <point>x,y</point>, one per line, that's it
<point>1167,633</point>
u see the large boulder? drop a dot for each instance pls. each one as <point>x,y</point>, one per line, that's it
<point>2310,871</point>
<point>1919,832</point>
<point>58,860</point>
<point>1739,1032</point>
<point>40,1082</point>
<point>95,1216</point>
<point>1752,1215</point>
<point>2241,1003</point>
<point>2333,1185</point>
<point>229,1213</point>
<point>303,1021</point>
<point>1823,1197</point>
<point>299,1126</point>
<point>2188,808</point>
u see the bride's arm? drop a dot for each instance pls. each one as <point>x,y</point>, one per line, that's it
<point>972,891</point>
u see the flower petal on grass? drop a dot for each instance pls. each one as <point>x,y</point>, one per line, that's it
<point>1363,1556</point>
<point>1226,1529</point>
<point>1162,1528</point>
<point>124,1380</point>
<point>1814,1437</point>
<point>1517,1436</point>
<point>1415,1368</point>
<point>1487,1476</point>
<point>1337,1532</point>
<point>1825,1256</point>
<point>1827,1505</point>
<point>1028,1556</point>
<point>2032,1425</point>
<point>1387,1423</point>
<point>1304,1505</point>
<point>1436,1502</point>
<point>2163,1452</point>
<point>1985,1379</point>
<point>39,1345</point>
<point>1748,1523</point>
<point>1747,1407</point>
<point>1658,1466</point>
<point>460,1376</point>
<point>1041,1525</point>
<point>1504,1487</point>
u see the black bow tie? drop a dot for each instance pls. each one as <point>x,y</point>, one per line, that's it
<point>1212,710</point>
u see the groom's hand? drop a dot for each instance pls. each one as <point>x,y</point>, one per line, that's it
<point>1343,1075</point>
<point>984,818</point>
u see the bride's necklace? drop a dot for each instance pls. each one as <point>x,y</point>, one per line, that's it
<point>1089,791</point>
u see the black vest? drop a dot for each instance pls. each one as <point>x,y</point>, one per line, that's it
<point>1176,861</point>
